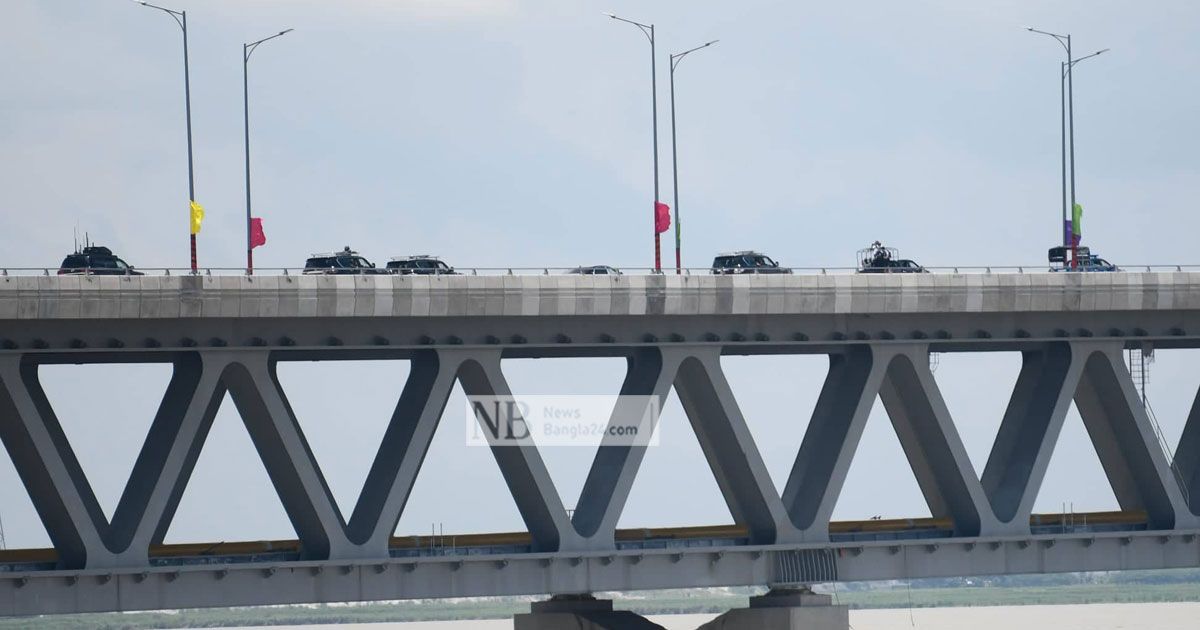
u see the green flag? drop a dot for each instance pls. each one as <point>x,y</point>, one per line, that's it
<point>1076,217</point>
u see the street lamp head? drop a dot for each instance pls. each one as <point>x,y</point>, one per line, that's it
<point>1028,28</point>
<point>611,15</point>
<point>712,42</point>
<point>287,31</point>
<point>1103,51</point>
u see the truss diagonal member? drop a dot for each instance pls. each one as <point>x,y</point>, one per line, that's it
<point>47,466</point>
<point>405,444</point>
<point>169,455</point>
<point>285,453</point>
<point>730,450</point>
<point>648,380</point>
<point>1187,457</point>
<point>931,442</point>
<point>833,434</point>
<point>519,461</point>
<point>1125,440</point>
<point>61,493</point>
<point>1030,428</point>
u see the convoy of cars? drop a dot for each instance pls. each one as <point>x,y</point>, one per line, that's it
<point>97,260</point>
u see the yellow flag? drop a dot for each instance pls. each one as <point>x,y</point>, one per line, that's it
<point>197,217</point>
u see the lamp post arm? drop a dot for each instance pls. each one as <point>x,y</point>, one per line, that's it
<point>249,48</point>
<point>1075,61</point>
<point>178,15</point>
<point>1063,40</point>
<point>647,29</point>
<point>677,57</point>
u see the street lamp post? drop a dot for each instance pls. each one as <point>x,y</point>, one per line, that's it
<point>1068,117</point>
<point>247,50</point>
<point>648,31</point>
<point>181,19</point>
<point>675,59</point>
<point>1065,41</point>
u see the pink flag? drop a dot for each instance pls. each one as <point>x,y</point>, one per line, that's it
<point>257,237</point>
<point>662,217</point>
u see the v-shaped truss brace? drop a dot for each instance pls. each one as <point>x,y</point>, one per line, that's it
<point>1090,372</point>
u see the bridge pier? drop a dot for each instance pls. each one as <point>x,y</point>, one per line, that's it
<point>579,612</point>
<point>785,608</point>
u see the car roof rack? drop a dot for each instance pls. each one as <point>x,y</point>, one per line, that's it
<point>345,252</point>
<point>744,252</point>
<point>415,257</point>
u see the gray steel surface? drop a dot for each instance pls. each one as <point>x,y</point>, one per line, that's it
<point>228,334</point>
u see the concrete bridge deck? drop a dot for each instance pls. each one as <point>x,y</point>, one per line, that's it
<point>157,297</point>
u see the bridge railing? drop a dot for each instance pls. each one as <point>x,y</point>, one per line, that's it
<point>544,271</point>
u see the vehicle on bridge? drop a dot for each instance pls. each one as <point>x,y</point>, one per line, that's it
<point>880,259</point>
<point>344,262</point>
<point>420,265</point>
<point>746,262</point>
<point>95,260</point>
<point>596,270</point>
<point>1086,261</point>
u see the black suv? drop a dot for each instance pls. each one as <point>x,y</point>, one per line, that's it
<point>340,263</point>
<point>596,270</point>
<point>423,265</point>
<point>746,262</point>
<point>880,259</point>
<point>1087,261</point>
<point>97,261</point>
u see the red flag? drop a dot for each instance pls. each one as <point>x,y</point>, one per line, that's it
<point>257,237</point>
<point>662,217</point>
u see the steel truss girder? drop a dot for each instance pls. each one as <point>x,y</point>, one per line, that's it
<point>328,581</point>
<point>1053,373</point>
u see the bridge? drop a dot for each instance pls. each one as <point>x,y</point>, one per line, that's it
<point>228,333</point>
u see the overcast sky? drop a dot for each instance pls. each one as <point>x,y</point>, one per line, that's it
<point>503,133</point>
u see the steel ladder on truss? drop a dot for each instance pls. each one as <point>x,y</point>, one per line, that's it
<point>1139,360</point>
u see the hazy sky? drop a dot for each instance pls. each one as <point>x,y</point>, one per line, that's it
<point>514,132</point>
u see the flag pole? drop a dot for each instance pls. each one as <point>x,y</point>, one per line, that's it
<point>247,50</point>
<point>654,113</point>
<point>180,18</point>
<point>246,113</point>
<point>187,98</point>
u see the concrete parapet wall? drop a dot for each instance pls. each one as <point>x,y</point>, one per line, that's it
<point>167,297</point>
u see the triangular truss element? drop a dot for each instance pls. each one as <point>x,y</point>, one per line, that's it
<point>1089,372</point>
<point>61,493</point>
<point>1093,374</point>
<point>1187,457</point>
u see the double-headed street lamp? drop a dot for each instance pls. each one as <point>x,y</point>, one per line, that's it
<point>247,50</point>
<point>181,19</point>
<point>1067,103</point>
<point>648,31</point>
<point>675,59</point>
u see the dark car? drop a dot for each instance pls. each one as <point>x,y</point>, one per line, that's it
<point>97,261</point>
<point>344,262</point>
<point>596,270</point>
<point>1087,262</point>
<point>880,259</point>
<point>423,265</point>
<point>746,262</point>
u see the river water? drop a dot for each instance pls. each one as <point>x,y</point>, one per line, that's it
<point>1158,616</point>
